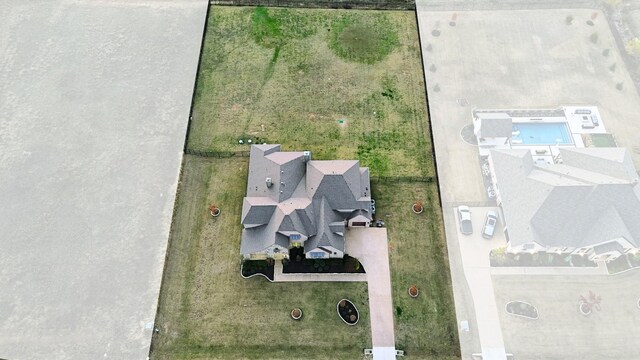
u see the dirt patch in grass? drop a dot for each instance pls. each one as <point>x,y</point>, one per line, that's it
<point>272,74</point>
<point>363,39</point>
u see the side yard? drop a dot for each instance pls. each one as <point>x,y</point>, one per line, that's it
<point>426,325</point>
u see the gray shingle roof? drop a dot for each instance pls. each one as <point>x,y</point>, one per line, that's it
<point>495,124</point>
<point>307,196</point>
<point>591,198</point>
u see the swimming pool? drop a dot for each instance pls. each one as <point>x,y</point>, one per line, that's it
<point>541,134</point>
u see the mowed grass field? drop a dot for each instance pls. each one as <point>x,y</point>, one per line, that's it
<point>344,84</point>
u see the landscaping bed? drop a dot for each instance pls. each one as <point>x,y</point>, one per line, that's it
<point>254,267</point>
<point>346,265</point>
<point>500,258</point>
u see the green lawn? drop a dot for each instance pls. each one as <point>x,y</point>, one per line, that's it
<point>341,83</point>
<point>425,326</point>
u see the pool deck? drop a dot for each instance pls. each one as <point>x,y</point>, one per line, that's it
<point>577,119</point>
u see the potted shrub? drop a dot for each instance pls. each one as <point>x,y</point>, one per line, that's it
<point>417,207</point>
<point>296,313</point>
<point>413,291</point>
<point>214,210</point>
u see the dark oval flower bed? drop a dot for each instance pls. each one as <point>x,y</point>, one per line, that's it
<point>348,312</point>
<point>253,267</point>
<point>522,309</point>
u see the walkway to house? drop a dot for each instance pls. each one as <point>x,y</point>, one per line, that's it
<point>369,245</point>
<point>279,276</point>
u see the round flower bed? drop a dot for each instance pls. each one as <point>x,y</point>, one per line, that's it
<point>417,208</point>
<point>585,309</point>
<point>296,314</point>
<point>413,291</point>
<point>347,312</point>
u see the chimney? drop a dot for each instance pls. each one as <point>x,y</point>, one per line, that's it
<point>269,182</point>
<point>306,155</point>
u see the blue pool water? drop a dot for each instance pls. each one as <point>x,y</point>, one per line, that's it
<point>541,134</point>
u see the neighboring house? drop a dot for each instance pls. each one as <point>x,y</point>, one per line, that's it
<point>587,203</point>
<point>295,202</point>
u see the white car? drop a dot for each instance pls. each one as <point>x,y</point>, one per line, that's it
<point>490,225</point>
<point>464,220</point>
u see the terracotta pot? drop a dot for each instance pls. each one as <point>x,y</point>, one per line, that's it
<point>419,209</point>
<point>215,213</point>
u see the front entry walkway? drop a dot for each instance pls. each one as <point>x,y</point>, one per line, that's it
<point>370,246</point>
<point>279,276</point>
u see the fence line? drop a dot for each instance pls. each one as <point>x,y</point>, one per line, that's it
<point>324,4</point>
<point>373,179</point>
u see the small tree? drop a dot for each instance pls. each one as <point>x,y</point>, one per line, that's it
<point>633,46</point>
<point>569,20</point>
<point>413,290</point>
<point>214,210</point>
<point>418,207</point>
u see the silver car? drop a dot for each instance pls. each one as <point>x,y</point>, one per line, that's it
<point>490,225</point>
<point>464,218</point>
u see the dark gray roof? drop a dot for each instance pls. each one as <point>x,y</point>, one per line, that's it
<point>310,197</point>
<point>495,125</point>
<point>578,203</point>
<point>607,247</point>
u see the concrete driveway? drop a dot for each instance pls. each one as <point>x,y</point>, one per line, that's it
<point>474,250</point>
<point>370,246</point>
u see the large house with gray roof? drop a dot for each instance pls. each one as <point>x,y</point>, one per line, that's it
<point>588,202</point>
<point>295,202</point>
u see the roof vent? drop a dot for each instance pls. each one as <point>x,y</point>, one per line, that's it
<point>306,155</point>
<point>269,182</point>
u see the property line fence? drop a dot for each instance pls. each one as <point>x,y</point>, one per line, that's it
<point>325,4</point>
<point>216,153</point>
<point>374,179</point>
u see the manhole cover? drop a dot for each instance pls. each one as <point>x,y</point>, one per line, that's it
<point>435,33</point>
<point>468,136</point>
<point>452,23</point>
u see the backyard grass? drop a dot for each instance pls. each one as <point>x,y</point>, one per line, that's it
<point>207,311</point>
<point>425,326</point>
<point>343,84</point>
